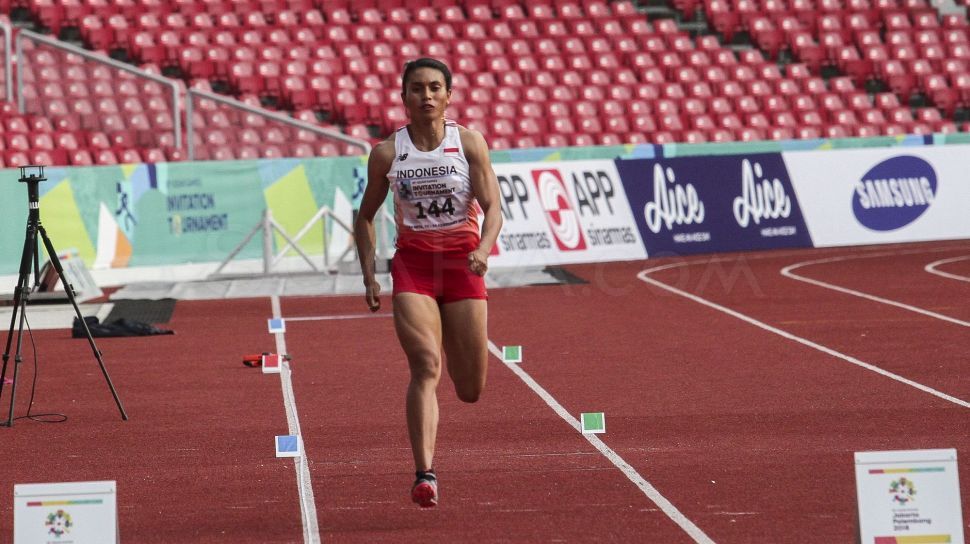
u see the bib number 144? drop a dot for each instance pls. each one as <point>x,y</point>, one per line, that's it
<point>434,208</point>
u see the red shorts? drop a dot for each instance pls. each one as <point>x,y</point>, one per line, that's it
<point>443,276</point>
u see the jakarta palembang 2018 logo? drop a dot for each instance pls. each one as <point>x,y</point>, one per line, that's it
<point>58,523</point>
<point>903,491</point>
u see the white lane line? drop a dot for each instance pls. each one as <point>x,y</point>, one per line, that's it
<point>787,272</point>
<point>645,276</point>
<point>339,317</point>
<point>931,268</point>
<point>646,487</point>
<point>308,508</point>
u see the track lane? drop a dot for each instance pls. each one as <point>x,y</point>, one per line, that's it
<point>945,268</point>
<point>195,461</point>
<point>915,346</point>
<point>735,426</point>
<point>898,276</point>
<point>510,469</point>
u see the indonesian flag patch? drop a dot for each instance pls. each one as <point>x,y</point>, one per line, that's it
<point>451,151</point>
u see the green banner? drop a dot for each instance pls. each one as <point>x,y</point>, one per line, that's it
<point>148,214</point>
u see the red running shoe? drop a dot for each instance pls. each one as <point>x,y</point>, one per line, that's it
<point>425,490</point>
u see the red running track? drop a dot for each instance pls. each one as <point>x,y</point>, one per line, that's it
<point>195,462</point>
<point>749,434</point>
<point>510,469</point>
<point>740,428</point>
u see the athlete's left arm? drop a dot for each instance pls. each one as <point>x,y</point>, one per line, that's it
<point>485,188</point>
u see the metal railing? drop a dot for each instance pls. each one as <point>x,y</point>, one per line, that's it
<point>193,97</point>
<point>271,258</point>
<point>7,62</point>
<point>36,38</point>
<point>195,94</point>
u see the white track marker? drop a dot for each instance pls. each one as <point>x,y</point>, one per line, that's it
<point>646,487</point>
<point>931,268</point>
<point>645,276</point>
<point>308,508</point>
<point>787,272</point>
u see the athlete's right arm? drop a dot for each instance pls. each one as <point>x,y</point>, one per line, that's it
<point>378,164</point>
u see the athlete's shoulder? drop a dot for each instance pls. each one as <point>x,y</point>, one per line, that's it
<point>463,130</point>
<point>384,148</point>
<point>381,156</point>
<point>472,141</point>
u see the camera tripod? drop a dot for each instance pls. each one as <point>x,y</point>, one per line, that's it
<point>32,176</point>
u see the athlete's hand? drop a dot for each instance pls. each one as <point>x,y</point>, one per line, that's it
<point>373,295</point>
<point>478,262</point>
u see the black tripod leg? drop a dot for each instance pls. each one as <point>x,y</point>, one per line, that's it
<point>17,359</point>
<point>20,303</point>
<point>56,262</point>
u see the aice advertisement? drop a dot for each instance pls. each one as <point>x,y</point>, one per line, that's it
<point>710,204</point>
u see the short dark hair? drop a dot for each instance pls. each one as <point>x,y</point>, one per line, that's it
<point>425,62</point>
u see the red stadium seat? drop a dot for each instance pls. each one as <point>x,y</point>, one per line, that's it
<point>105,156</point>
<point>343,60</point>
<point>750,134</point>
<point>721,135</point>
<point>873,117</point>
<point>80,157</point>
<point>781,133</point>
<point>582,140</point>
<point>837,131</point>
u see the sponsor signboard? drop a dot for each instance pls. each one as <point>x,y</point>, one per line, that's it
<point>869,196</point>
<point>717,203</point>
<point>564,212</point>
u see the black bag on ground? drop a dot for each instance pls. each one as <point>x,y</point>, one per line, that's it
<point>118,327</point>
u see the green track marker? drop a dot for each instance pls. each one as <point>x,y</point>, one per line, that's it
<point>593,422</point>
<point>512,354</point>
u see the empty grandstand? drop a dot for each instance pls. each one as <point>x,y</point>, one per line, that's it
<point>528,74</point>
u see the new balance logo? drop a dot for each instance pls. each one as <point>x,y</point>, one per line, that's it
<point>402,157</point>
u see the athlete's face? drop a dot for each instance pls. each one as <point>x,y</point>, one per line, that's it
<point>425,95</point>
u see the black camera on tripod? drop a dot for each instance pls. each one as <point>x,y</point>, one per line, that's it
<point>33,175</point>
<point>32,172</point>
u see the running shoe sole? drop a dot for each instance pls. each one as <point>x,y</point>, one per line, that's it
<point>425,495</point>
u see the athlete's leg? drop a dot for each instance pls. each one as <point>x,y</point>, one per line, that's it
<point>418,326</point>
<point>465,338</point>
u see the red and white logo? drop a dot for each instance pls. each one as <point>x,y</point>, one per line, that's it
<point>559,211</point>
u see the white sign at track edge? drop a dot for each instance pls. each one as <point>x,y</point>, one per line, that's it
<point>77,512</point>
<point>908,496</point>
